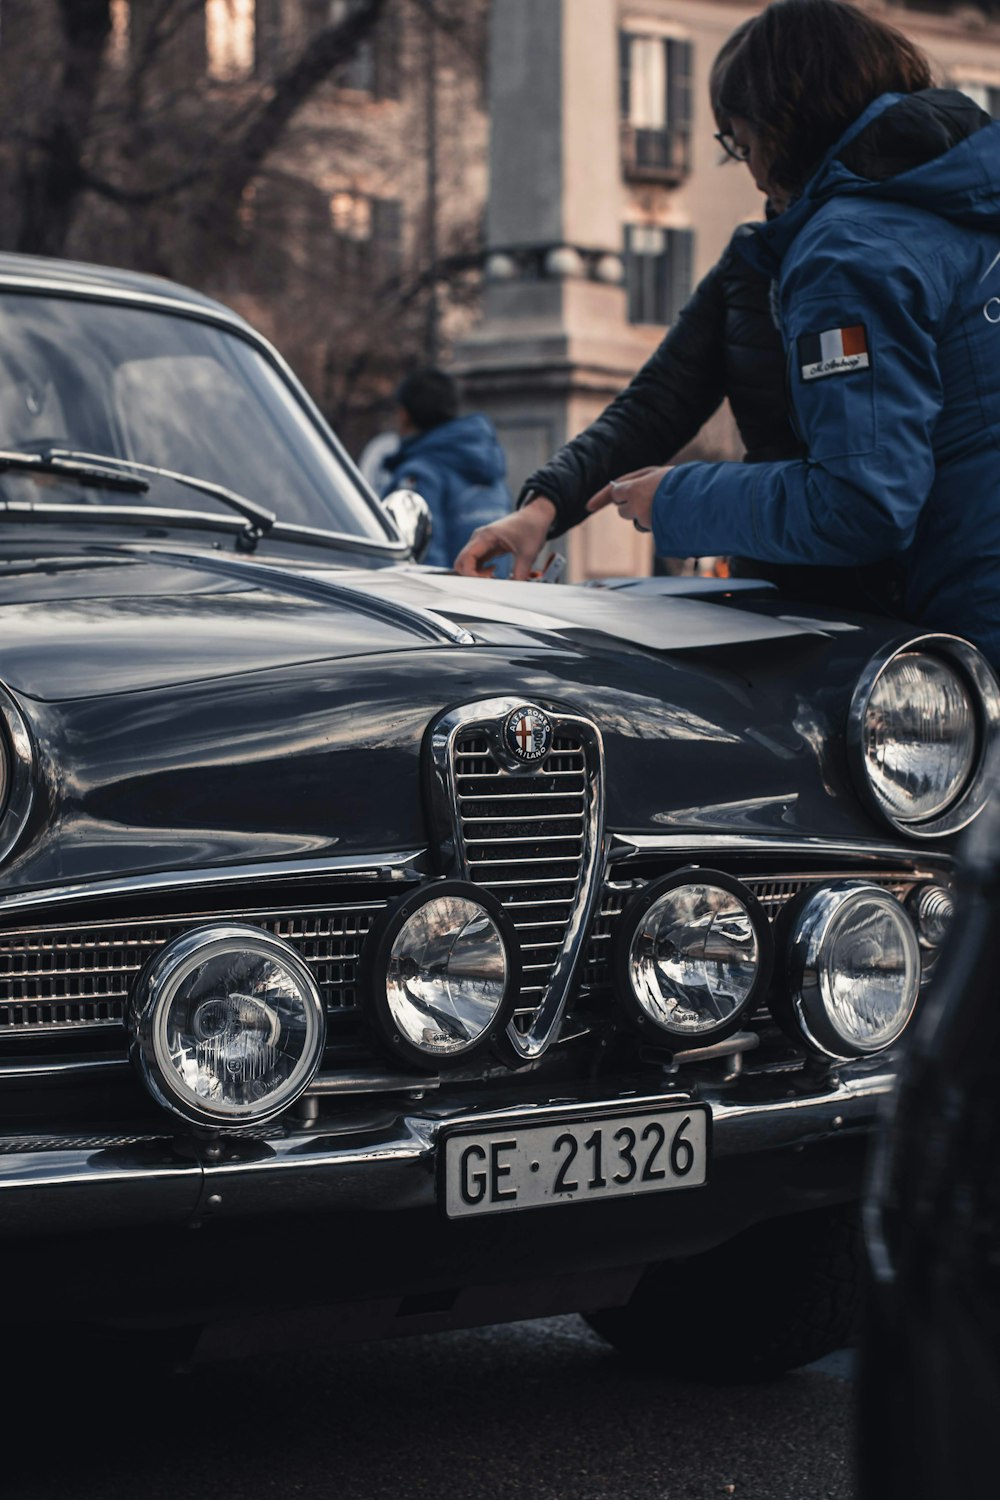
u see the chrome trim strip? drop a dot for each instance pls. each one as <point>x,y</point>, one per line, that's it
<point>626,846</point>
<point>982,679</point>
<point>371,1081</point>
<point>489,714</point>
<point>340,1168</point>
<point>62,1069</point>
<point>409,865</point>
<point>84,292</point>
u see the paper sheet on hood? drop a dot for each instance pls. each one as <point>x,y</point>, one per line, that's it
<point>661,624</point>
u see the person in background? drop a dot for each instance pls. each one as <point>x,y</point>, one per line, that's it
<point>724,344</point>
<point>887,260</point>
<point>456,462</point>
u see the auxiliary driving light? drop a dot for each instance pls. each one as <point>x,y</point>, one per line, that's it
<point>693,952</point>
<point>442,973</point>
<point>854,970</point>
<point>228,1025</point>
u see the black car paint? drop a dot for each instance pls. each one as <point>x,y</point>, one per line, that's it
<point>191,717</point>
<point>215,730</point>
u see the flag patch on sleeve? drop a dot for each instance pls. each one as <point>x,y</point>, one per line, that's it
<point>838,351</point>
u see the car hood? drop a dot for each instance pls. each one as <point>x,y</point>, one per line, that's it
<point>109,620</point>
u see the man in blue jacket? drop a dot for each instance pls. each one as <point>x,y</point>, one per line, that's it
<point>455,462</point>
<point>887,268</point>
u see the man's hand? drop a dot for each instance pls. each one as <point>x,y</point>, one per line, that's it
<point>632,495</point>
<point>520,534</point>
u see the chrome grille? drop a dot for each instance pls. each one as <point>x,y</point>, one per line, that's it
<point>77,978</point>
<point>523,840</point>
<point>773,893</point>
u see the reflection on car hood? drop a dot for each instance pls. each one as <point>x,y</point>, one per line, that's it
<point>108,620</point>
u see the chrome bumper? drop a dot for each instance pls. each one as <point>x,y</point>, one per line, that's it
<point>378,1157</point>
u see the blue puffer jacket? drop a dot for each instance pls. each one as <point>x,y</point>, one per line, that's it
<point>888,279</point>
<point>459,469</point>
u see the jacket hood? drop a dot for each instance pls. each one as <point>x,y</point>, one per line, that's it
<point>467,445</point>
<point>935,149</point>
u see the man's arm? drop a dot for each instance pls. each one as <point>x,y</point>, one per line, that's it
<point>664,406</point>
<point>867,394</point>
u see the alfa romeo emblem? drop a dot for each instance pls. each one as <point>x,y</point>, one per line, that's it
<point>527,734</point>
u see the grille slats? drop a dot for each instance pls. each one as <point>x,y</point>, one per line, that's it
<point>58,978</point>
<point>511,821</point>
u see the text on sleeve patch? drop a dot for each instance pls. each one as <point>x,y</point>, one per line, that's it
<point>838,351</point>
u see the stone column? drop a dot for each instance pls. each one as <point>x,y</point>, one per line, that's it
<point>554,345</point>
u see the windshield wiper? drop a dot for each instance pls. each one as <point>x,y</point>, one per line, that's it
<point>105,469</point>
<point>74,466</point>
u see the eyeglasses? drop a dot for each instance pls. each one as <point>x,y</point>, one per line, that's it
<point>728,143</point>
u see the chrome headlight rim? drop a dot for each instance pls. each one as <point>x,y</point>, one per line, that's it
<point>154,992</point>
<point>375,959</point>
<point>17,772</point>
<point>800,1006</point>
<point>980,679</point>
<point>628,928</point>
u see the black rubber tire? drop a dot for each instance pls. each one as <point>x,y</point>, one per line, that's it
<point>780,1295</point>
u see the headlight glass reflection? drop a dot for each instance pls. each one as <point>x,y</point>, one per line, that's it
<point>870,972</point>
<point>446,976</point>
<point>919,737</point>
<point>854,970</point>
<point>230,1025</point>
<point>694,959</point>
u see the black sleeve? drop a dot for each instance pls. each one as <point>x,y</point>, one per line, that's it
<point>672,396</point>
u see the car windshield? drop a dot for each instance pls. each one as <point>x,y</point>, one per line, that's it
<point>172,391</point>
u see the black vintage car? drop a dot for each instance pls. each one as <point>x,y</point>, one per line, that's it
<point>382,951</point>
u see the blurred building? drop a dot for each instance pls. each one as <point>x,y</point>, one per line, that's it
<point>609,198</point>
<point>525,189</point>
<point>359,244</point>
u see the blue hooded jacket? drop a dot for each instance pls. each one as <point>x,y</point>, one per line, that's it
<point>888,291</point>
<point>459,468</point>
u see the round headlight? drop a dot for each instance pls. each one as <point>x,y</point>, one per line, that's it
<point>693,952</point>
<point>854,970</point>
<point>921,722</point>
<point>443,973</point>
<point>17,772</point>
<point>228,1025</point>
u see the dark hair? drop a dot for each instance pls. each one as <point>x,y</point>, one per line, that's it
<point>717,76</point>
<point>429,397</point>
<point>802,71</point>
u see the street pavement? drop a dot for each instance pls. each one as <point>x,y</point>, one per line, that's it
<point>531,1411</point>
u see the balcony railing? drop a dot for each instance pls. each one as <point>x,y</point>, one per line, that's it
<point>655,155</point>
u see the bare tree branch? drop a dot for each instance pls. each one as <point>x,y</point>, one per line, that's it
<point>328,48</point>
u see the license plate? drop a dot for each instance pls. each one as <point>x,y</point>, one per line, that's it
<point>569,1159</point>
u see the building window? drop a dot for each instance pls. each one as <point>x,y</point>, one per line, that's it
<point>118,44</point>
<point>657,272</point>
<point>229,38</point>
<point>367,234</point>
<point>374,68</point>
<point>655,106</point>
<point>986,95</point>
